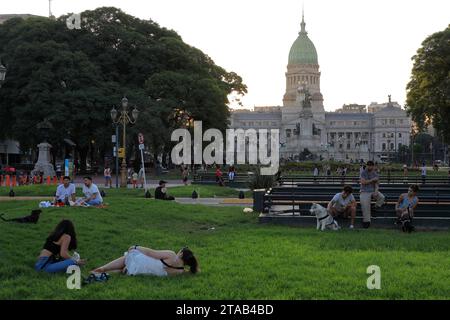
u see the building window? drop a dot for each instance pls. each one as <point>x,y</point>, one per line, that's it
<point>399,135</point>
<point>288,133</point>
<point>383,147</point>
<point>392,146</point>
<point>348,146</point>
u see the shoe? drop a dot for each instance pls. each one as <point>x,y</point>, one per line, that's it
<point>351,227</point>
<point>366,225</point>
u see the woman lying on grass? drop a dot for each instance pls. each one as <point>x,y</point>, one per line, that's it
<point>145,261</point>
<point>55,255</point>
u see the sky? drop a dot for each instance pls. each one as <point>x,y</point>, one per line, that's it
<point>364,46</point>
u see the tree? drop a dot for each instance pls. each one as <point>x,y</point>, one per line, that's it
<point>428,92</point>
<point>74,77</point>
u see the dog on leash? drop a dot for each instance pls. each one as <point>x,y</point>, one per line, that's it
<point>324,219</point>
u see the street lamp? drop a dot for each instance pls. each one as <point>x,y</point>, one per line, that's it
<point>2,73</point>
<point>123,118</point>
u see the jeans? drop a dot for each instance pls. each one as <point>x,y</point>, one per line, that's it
<point>60,266</point>
<point>94,202</point>
<point>365,199</point>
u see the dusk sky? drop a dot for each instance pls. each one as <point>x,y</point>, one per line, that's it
<point>364,47</point>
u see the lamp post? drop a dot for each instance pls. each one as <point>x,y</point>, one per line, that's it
<point>123,118</point>
<point>3,71</point>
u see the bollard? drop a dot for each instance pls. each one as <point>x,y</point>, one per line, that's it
<point>7,181</point>
<point>48,180</point>
<point>55,180</point>
<point>14,181</point>
<point>61,181</point>
<point>1,180</point>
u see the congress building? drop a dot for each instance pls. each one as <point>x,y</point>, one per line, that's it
<point>375,132</point>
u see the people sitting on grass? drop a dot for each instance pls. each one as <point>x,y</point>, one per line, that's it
<point>145,261</point>
<point>55,256</point>
<point>161,192</point>
<point>344,203</point>
<point>65,192</point>
<point>407,203</point>
<point>92,196</point>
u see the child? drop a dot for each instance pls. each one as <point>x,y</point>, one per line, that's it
<point>134,179</point>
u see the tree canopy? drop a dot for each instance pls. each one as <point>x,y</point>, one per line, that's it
<point>428,92</point>
<point>74,77</point>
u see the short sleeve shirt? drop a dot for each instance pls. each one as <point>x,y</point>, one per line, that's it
<point>339,201</point>
<point>368,176</point>
<point>88,192</point>
<point>63,192</point>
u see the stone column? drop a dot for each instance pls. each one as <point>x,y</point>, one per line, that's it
<point>43,164</point>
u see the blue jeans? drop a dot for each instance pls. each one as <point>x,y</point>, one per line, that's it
<point>94,202</point>
<point>43,265</point>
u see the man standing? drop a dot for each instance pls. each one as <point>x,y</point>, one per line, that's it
<point>424,173</point>
<point>343,203</point>
<point>91,193</point>
<point>369,188</point>
<point>65,192</point>
<point>161,192</point>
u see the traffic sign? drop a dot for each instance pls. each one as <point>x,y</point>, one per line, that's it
<point>121,152</point>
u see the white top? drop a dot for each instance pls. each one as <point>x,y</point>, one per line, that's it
<point>107,172</point>
<point>88,192</point>
<point>339,202</point>
<point>316,172</point>
<point>424,171</point>
<point>63,192</point>
<point>138,263</point>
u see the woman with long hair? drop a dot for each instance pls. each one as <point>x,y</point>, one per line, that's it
<point>55,255</point>
<point>145,261</point>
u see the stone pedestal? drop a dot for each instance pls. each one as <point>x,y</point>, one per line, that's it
<point>43,164</point>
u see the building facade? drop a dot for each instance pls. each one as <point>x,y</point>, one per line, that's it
<point>352,133</point>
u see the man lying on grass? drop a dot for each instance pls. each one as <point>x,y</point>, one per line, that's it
<point>145,261</point>
<point>343,203</point>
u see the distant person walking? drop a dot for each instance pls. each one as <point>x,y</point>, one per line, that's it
<point>184,175</point>
<point>369,189</point>
<point>219,176</point>
<point>424,172</point>
<point>107,175</point>
<point>134,179</point>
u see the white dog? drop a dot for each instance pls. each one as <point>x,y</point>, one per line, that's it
<point>324,219</point>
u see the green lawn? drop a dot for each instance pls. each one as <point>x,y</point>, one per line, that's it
<point>204,191</point>
<point>239,258</point>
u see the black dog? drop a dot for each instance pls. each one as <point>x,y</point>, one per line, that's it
<point>406,222</point>
<point>32,218</point>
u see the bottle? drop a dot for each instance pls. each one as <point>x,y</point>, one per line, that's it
<point>76,256</point>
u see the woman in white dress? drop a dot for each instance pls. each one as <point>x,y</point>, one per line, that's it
<point>145,261</point>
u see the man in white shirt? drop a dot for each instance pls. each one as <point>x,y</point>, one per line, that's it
<point>65,192</point>
<point>343,203</point>
<point>91,193</point>
<point>424,172</point>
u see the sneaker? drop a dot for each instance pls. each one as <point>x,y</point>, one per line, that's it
<point>351,227</point>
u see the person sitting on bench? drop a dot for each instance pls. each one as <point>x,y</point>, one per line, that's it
<point>65,192</point>
<point>161,192</point>
<point>343,203</point>
<point>407,203</point>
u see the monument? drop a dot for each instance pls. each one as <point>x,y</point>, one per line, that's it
<point>43,164</point>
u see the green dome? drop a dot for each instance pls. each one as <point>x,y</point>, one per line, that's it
<point>303,50</point>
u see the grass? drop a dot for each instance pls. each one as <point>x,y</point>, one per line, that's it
<point>204,191</point>
<point>239,258</point>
